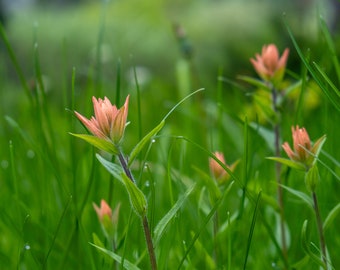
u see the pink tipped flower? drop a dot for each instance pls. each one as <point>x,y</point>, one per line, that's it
<point>104,211</point>
<point>108,122</point>
<point>303,151</point>
<point>216,169</point>
<point>269,65</point>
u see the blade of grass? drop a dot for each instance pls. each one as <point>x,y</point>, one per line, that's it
<point>204,224</point>
<point>251,231</point>
<point>331,46</point>
<point>333,95</point>
<point>162,224</point>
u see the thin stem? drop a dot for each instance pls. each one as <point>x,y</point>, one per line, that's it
<point>149,243</point>
<point>125,166</point>
<point>278,176</point>
<point>145,222</point>
<point>320,230</point>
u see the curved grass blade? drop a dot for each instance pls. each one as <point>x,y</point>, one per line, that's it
<point>160,228</point>
<point>205,222</point>
<point>331,216</point>
<point>301,196</point>
<point>126,264</point>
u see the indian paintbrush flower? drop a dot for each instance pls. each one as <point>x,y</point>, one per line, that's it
<point>107,218</point>
<point>303,153</point>
<point>218,171</point>
<point>269,65</point>
<point>108,121</point>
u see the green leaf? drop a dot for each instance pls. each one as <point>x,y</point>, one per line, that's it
<point>255,82</point>
<point>114,169</point>
<point>137,198</point>
<point>332,214</point>
<point>305,246</point>
<point>312,178</point>
<point>300,195</point>
<point>126,264</point>
<point>251,230</point>
<point>136,150</point>
<point>98,143</point>
<point>289,163</point>
<point>160,228</point>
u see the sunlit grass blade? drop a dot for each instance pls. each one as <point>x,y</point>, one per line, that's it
<point>127,264</point>
<point>162,224</point>
<point>251,230</point>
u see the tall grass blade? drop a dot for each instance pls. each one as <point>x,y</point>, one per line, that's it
<point>251,231</point>
<point>204,224</point>
<point>162,224</point>
<point>332,95</point>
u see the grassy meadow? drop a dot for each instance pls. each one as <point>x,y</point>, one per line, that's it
<point>193,92</point>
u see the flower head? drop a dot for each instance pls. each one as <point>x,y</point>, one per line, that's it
<point>108,121</point>
<point>217,170</point>
<point>269,65</point>
<point>303,151</point>
<point>107,218</point>
<point>104,211</point>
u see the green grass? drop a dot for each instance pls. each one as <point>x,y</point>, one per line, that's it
<point>49,179</point>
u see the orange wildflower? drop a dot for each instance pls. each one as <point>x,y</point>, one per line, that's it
<point>269,65</point>
<point>108,121</point>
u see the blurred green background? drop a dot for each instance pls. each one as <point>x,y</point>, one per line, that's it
<point>175,47</point>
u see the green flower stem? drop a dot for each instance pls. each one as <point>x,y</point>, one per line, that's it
<point>145,222</point>
<point>320,230</point>
<point>278,176</point>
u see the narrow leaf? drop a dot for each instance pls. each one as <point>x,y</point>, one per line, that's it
<point>137,197</point>
<point>252,227</point>
<point>126,264</point>
<point>332,214</point>
<point>255,82</point>
<point>300,195</point>
<point>98,143</point>
<point>289,163</point>
<point>160,228</point>
<point>115,170</point>
<point>136,150</point>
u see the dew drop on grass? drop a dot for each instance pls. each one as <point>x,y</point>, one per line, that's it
<point>27,247</point>
<point>30,154</point>
<point>153,140</point>
<point>4,164</point>
<point>147,183</point>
